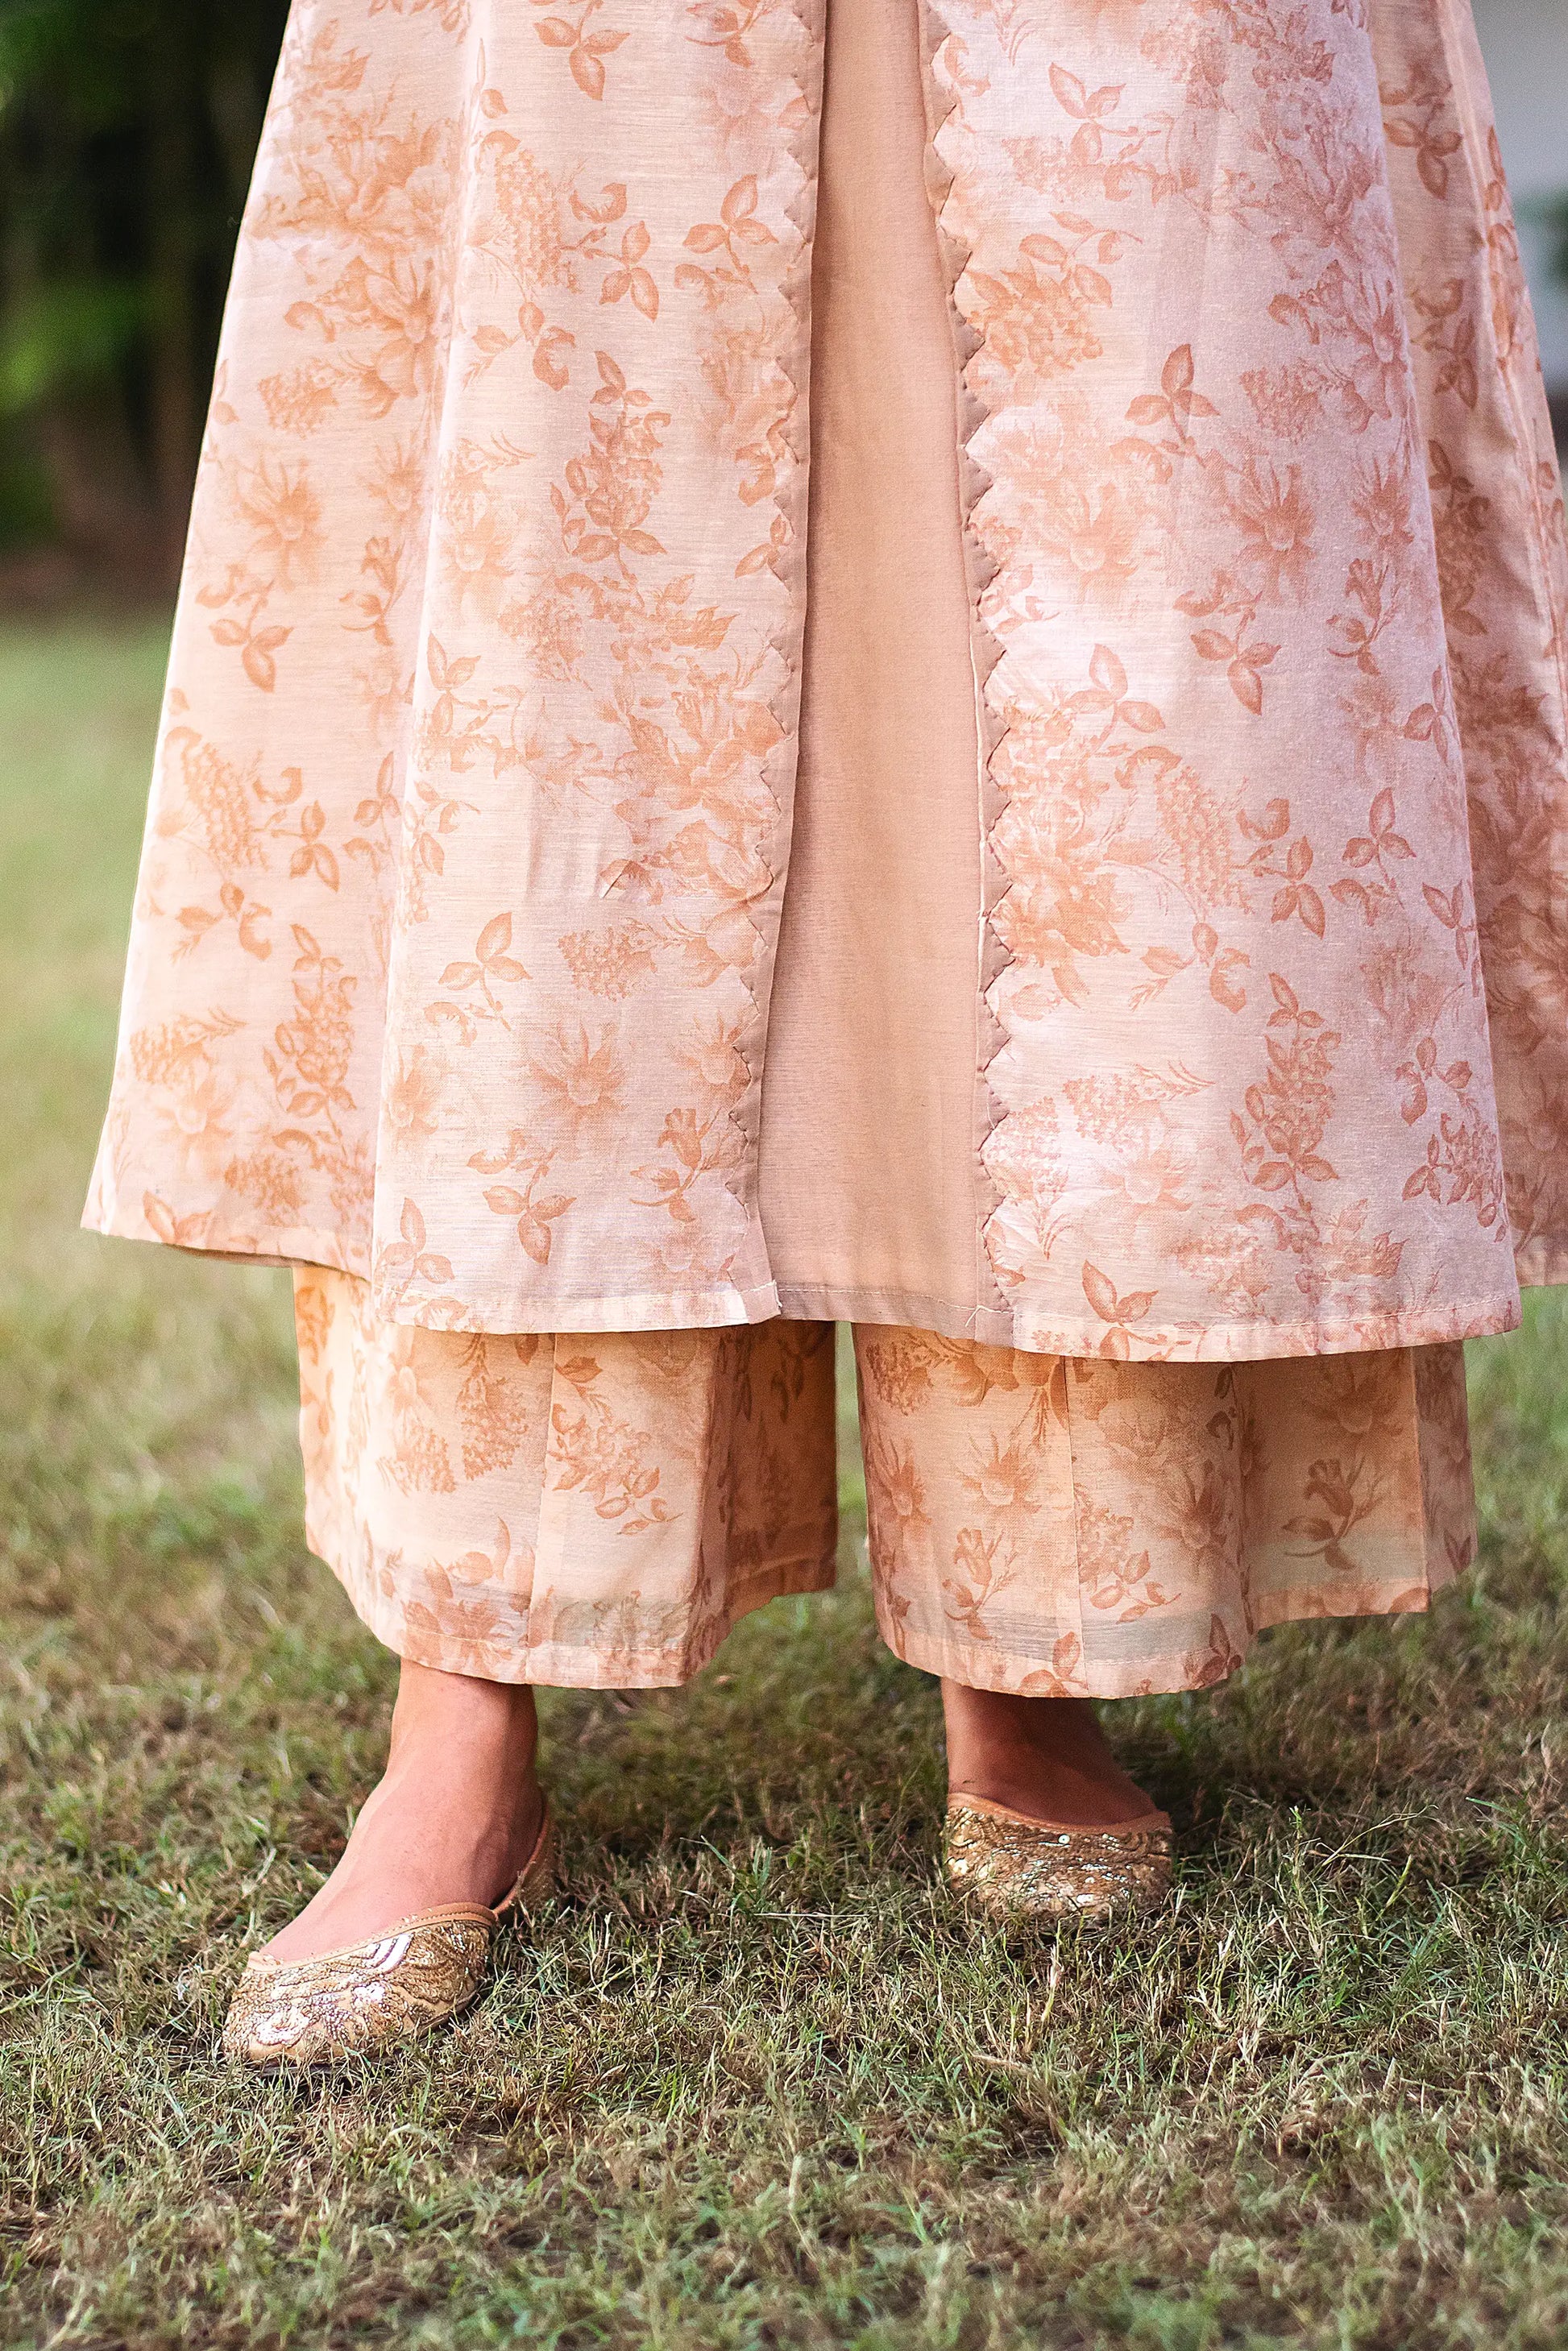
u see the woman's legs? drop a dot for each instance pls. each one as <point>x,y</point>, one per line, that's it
<point>1046,1756</point>
<point>453,1817</point>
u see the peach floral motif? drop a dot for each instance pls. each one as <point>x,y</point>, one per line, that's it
<point>563,1510</point>
<point>470,851</point>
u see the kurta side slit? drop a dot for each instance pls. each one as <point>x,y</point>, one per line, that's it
<point>1131,994</point>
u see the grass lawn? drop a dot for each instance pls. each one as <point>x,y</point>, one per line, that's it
<point>754,2083</point>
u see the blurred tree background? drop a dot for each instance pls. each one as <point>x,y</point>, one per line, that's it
<point>128,129</point>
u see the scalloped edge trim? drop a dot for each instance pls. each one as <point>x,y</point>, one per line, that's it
<point>993,722</point>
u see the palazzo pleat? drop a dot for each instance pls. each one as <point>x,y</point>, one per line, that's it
<point>594,1510</point>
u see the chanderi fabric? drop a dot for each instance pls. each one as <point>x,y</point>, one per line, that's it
<point>884,661</point>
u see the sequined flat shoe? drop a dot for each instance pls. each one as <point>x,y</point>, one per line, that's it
<point>1019,1868</point>
<point>373,1995</point>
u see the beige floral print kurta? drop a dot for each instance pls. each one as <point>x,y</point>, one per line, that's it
<point>870,660</point>
<point>458,938</point>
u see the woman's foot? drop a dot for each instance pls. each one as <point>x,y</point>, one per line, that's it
<point>1044,1757</point>
<point>1043,1822</point>
<point>453,1818</point>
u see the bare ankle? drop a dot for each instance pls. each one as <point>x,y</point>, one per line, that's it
<point>1047,1757</point>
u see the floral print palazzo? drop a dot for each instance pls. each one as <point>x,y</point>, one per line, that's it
<point>869,661</point>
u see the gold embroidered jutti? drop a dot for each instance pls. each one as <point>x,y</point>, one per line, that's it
<point>863,660</point>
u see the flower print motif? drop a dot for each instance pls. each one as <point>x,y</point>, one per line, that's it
<point>528,226</point>
<point>550,238</point>
<point>1378,369</point>
<point>1149,1161</point>
<point>900,1366</point>
<point>497,1403</point>
<point>283,512</point>
<point>271,1181</point>
<point>1138,1430</point>
<point>611,963</point>
<point>195,1108</point>
<point>416,1459</point>
<point>549,629</point>
<point>1038,320</point>
<point>299,401</point>
<point>1287,401</point>
<point>751,394</point>
<point>581,1079</point>
<point>1194,1513</point>
<point>895,1496</point>
<point>1004,1479</point>
<point>218,795</point>
<point>395,480</point>
<point>1116,1575</point>
<point>717,1061</point>
<point>411,1096</point>
<point>1287,1114</point>
<point>1362,1402</point>
<point>478,531</point>
<point>1275,520</point>
<point>1347,1491</point>
<point>984,1566</point>
<point>606,1459</point>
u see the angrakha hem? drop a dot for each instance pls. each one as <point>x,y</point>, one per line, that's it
<point>949,687</point>
<point>600,1509</point>
<point>653,1310</point>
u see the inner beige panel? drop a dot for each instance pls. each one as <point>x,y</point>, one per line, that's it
<point>869,1194</point>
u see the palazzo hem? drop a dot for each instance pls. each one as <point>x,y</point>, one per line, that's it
<point>598,1511</point>
<point>558,1665</point>
<point>1222,1654</point>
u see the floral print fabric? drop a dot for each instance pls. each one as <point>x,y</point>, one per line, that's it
<point>1278,574</point>
<point>470,838</point>
<point>586,1511</point>
<point>1070,1527</point>
<point>600,1510</point>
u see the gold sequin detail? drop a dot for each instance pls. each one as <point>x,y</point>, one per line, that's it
<point>373,1995</point>
<point>1017,1867</point>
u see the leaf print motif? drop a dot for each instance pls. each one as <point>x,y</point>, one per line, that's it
<point>478,980</point>
<point>586,45</point>
<point>495,609</point>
